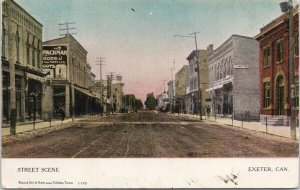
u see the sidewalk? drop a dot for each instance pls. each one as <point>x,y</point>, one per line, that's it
<point>22,127</point>
<point>283,131</point>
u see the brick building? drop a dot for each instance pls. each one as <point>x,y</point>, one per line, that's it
<point>25,42</point>
<point>70,78</point>
<point>234,78</point>
<point>274,67</point>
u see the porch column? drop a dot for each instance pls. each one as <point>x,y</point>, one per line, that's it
<point>67,100</point>
<point>23,98</point>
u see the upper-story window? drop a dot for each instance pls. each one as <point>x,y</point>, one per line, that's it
<point>267,56</point>
<point>33,55</point>
<point>38,55</point>
<point>18,46</point>
<point>3,40</point>
<point>296,39</point>
<point>279,47</point>
<point>297,91</point>
<point>28,50</point>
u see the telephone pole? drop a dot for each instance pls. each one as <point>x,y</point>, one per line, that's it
<point>11,60</point>
<point>100,61</point>
<point>67,28</point>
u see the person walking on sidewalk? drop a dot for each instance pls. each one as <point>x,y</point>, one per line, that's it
<point>207,111</point>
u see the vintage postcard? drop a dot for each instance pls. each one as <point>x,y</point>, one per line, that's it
<point>150,94</point>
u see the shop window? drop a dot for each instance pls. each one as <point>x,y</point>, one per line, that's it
<point>297,91</point>
<point>267,56</point>
<point>267,94</point>
<point>279,45</point>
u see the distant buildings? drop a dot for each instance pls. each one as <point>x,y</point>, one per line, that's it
<point>181,78</point>
<point>274,67</point>
<point>171,95</point>
<point>233,78</point>
<point>117,96</point>
<point>163,101</point>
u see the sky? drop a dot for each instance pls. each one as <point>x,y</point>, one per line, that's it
<point>140,44</point>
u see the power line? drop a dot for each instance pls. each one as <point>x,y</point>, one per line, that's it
<point>100,61</point>
<point>67,28</point>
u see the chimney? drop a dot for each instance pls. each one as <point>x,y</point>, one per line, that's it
<point>210,48</point>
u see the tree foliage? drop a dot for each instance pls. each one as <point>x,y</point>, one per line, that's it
<point>151,101</point>
<point>130,101</point>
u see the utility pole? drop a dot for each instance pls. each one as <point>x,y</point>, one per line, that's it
<point>194,36</point>
<point>72,77</point>
<point>11,60</point>
<point>67,28</point>
<point>287,6</point>
<point>100,61</point>
<point>172,90</point>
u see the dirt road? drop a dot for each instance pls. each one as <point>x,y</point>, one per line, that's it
<point>149,134</point>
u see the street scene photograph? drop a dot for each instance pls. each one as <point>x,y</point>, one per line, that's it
<point>150,79</point>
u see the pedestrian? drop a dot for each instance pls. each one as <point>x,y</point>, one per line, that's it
<point>208,111</point>
<point>62,114</point>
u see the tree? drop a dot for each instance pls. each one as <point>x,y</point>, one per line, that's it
<point>150,101</point>
<point>130,101</point>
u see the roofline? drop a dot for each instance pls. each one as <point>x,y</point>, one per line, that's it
<point>275,23</point>
<point>26,12</point>
<point>230,38</point>
<point>66,37</point>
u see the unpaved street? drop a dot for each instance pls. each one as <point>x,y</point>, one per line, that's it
<point>149,134</point>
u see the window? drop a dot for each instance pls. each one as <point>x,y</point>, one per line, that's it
<point>3,40</point>
<point>296,39</point>
<point>267,56</point>
<point>33,52</point>
<point>279,50</point>
<point>297,91</point>
<point>33,57</point>
<point>18,46</point>
<point>28,50</point>
<point>267,94</point>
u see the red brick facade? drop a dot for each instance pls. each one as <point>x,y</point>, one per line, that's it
<point>272,73</point>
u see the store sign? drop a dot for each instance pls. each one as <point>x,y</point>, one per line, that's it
<point>55,54</point>
<point>240,66</point>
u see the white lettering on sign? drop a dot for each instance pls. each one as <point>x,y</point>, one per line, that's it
<point>240,66</point>
<point>48,66</point>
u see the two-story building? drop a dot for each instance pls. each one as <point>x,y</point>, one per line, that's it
<point>21,50</point>
<point>70,77</point>
<point>180,88</point>
<point>197,60</point>
<point>274,67</point>
<point>234,78</point>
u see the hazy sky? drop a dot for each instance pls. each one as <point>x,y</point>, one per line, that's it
<point>140,45</point>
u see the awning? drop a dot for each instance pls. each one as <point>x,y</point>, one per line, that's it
<point>220,84</point>
<point>86,92</point>
<point>214,87</point>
